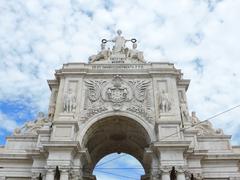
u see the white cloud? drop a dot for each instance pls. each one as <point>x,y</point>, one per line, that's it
<point>6,123</point>
<point>37,37</point>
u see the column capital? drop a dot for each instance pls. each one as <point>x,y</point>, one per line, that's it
<point>49,171</point>
<point>181,169</point>
<point>64,170</point>
<point>165,169</point>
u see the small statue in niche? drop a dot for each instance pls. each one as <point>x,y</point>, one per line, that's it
<point>181,97</point>
<point>52,106</point>
<point>51,110</point>
<point>164,103</point>
<point>184,111</point>
<point>69,102</point>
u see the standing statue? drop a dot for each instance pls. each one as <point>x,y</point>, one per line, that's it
<point>69,102</point>
<point>184,112</point>
<point>52,106</point>
<point>164,103</point>
<point>119,51</point>
<point>120,42</point>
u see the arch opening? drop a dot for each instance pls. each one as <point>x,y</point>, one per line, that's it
<point>116,134</point>
<point>118,166</point>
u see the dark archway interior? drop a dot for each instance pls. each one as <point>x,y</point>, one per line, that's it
<point>116,134</point>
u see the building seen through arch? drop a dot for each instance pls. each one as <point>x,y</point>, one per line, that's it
<point>119,103</point>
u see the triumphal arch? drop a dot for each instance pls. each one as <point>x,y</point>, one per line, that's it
<point>118,102</point>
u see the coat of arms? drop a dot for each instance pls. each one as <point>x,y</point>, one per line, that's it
<point>117,92</point>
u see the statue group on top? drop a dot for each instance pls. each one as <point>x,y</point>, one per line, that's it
<point>32,126</point>
<point>119,50</point>
<point>204,127</point>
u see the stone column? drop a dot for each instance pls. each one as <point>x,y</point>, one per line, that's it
<point>180,176</point>
<point>165,176</point>
<point>64,174</point>
<point>181,173</point>
<point>165,172</point>
<point>50,174</point>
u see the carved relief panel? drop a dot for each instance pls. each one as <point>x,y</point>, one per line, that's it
<point>118,94</point>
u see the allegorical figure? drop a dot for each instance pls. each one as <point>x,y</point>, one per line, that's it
<point>120,42</point>
<point>102,55</point>
<point>164,102</point>
<point>184,111</point>
<point>194,118</point>
<point>52,106</point>
<point>32,126</point>
<point>69,102</point>
<point>135,54</point>
<point>205,127</point>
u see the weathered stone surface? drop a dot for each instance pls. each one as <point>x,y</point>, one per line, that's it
<point>119,103</point>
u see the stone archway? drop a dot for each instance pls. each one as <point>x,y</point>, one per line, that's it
<point>116,134</point>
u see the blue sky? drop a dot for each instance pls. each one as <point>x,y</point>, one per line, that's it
<point>118,166</point>
<point>200,36</point>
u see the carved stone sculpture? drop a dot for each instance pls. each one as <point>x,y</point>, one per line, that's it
<point>184,112</point>
<point>164,102</point>
<point>70,102</point>
<point>32,126</point>
<point>194,118</point>
<point>52,106</point>
<point>120,42</point>
<point>119,53</point>
<point>135,54</point>
<point>118,94</point>
<point>204,128</point>
<point>17,131</point>
<point>104,54</point>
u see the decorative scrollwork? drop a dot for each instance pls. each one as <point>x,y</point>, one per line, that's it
<point>93,91</point>
<point>118,94</point>
<point>140,88</point>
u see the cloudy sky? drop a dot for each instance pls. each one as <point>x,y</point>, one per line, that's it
<point>200,36</point>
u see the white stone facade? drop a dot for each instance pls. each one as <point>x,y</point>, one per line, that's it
<point>119,103</point>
